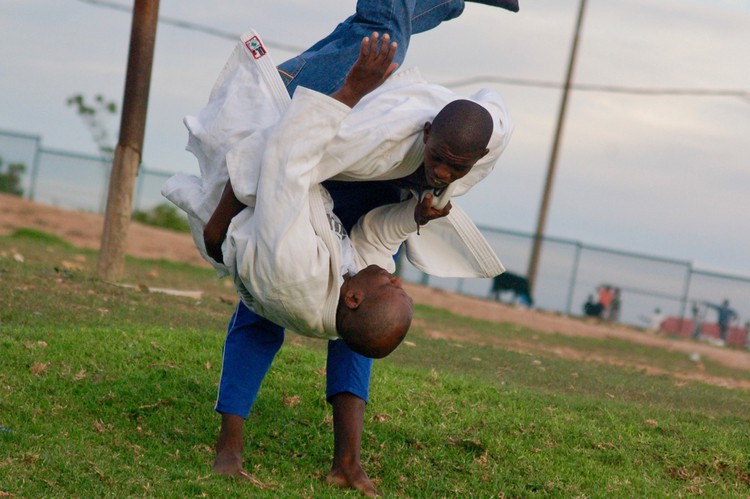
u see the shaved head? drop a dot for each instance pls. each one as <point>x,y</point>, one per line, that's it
<point>374,312</point>
<point>464,126</point>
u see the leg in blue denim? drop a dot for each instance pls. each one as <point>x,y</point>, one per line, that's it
<point>324,66</point>
<point>251,345</point>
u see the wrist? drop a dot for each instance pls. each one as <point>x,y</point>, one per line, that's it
<point>346,96</point>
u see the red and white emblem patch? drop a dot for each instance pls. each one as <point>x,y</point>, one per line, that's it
<point>255,47</point>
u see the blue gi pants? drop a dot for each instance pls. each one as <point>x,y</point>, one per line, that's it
<point>252,341</point>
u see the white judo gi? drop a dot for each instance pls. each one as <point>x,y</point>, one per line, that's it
<point>281,251</point>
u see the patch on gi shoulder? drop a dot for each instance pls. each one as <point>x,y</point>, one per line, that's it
<point>255,46</point>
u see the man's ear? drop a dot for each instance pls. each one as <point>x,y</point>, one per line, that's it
<point>353,299</point>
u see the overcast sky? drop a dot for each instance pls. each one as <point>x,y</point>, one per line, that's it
<point>667,175</point>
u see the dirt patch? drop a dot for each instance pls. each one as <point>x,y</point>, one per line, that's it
<point>84,230</point>
<point>547,322</point>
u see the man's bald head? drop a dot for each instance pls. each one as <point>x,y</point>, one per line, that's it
<point>464,126</point>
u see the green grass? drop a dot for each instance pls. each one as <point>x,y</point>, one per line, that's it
<point>109,391</point>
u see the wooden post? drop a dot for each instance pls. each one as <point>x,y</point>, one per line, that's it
<point>127,157</point>
<point>536,247</point>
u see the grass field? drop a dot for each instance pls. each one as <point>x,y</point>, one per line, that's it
<point>109,391</point>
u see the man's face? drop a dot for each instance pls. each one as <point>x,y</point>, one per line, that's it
<point>379,280</point>
<point>441,165</point>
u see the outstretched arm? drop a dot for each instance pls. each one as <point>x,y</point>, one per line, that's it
<point>373,66</point>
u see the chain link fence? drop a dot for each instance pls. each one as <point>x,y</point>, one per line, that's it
<point>571,271</point>
<point>568,273</point>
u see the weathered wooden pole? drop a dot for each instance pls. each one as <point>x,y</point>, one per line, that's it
<point>130,144</point>
<point>536,247</point>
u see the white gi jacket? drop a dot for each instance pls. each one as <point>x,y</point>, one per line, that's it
<point>280,251</point>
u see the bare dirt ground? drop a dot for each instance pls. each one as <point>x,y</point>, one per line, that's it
<point>84,231</point>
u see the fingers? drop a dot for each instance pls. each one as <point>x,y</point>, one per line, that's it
<point>426,202</point>
<point>382,51</point>
<point>364,46</point>
<point>424,211</point>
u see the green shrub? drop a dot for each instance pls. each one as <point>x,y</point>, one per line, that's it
<point>10,178</point>
<point>164,215</point>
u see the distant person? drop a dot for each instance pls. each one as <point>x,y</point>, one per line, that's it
<point>725,317</point>
<point>698,315</point>
<point>654,321</point>
<point>517,284</point>
<point>606,293</point>
<point>613,311</point>
<point>592,308</point>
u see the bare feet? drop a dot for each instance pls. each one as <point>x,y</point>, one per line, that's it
<point>228,459</point>
<point>228,463</point>
<point>354,478</point>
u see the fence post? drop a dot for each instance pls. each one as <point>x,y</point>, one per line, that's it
<point>425,279</point>
<point>573,277</point>
<point>685,293</point>
<point>35,169</point>
<point>460,286</point>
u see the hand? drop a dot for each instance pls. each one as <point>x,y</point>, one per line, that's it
<point>424,212</point>
<point>213,237</point>
<point>373,66</point>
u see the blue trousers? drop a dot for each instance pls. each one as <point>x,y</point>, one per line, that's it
<point>252,341</point>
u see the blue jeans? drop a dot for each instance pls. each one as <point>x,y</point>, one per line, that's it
<point>327,62</point>
<point>252,341</point>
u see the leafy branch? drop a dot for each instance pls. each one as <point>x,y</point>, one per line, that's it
<point>94,116</point>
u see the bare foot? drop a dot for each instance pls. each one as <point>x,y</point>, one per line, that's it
<point>354,478</point>
<point>228,463</point>
<point>228,459</point>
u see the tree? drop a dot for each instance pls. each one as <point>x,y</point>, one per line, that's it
<point>94,117</point>
<point>10,178</point>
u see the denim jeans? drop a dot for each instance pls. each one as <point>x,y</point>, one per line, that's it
<point>252,341</point>
<point>324,66</point>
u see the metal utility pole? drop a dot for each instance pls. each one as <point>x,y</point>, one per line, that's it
<point>542,220</point>
<point>130,144</point>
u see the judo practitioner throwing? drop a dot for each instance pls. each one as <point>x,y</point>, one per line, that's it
<point>260,212</point>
